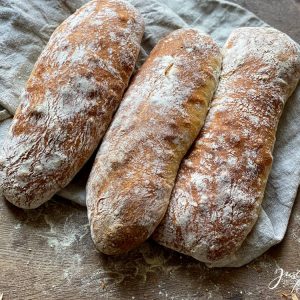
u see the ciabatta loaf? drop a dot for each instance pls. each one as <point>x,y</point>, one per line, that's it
<point>220,186</point>
<point>160,116</point>
<point>73,91</point>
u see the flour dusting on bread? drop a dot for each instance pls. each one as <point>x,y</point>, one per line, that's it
<point>158,119</point>
<point>73,91</point>
<point>220,186</point>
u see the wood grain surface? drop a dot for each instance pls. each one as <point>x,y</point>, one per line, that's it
<point>47,253</point>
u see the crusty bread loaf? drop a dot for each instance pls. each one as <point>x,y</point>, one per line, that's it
<point>160,116</point>
<point>221,183</point>
<point>70,97</point>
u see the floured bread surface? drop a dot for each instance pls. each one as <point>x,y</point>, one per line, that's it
<point>221,183</point>
<point>160,116</point>
<point>70,97</point>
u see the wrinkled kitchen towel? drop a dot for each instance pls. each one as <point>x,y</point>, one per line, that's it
<point>25,27</point>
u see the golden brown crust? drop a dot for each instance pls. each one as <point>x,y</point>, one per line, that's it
<point>160,116</point>
<point>221,183</point>
<point>70,97</point>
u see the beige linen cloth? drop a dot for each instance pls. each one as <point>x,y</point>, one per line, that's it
<point>25,27</point>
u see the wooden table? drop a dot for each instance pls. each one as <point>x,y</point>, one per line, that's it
<point>47,253</point>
